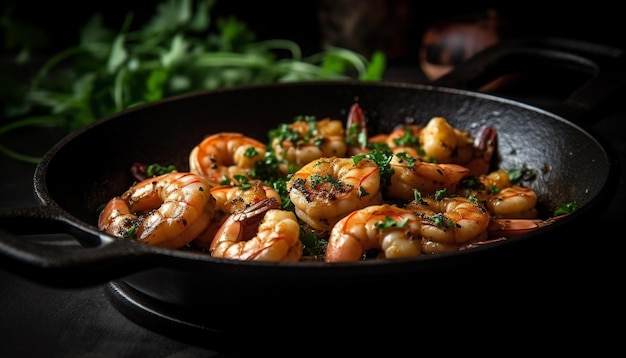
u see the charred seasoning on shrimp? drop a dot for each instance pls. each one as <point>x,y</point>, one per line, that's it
<point>393,231</point>
<point>307,139</point>
<point>501,195</point>
<point>261,232</point>
<point>169,210</point>
<point>327,189</point>
<point>449,221</point>
<point>411,173</point>
<point>440,142</point>
<point>232,199</point>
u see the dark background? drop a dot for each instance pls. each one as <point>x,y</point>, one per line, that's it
<point>46,322</point>
<point>298,20</point>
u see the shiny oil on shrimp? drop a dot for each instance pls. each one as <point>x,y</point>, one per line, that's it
<point>513,202</point>
<point>327,189</point>
<point>443,143</point>
<point>502,198</point>
<point>437,142</point>
<point>410,173</point>
<point>450,222</point>
<point>168,210</point>
<point>232,199</point>
<point>307,139</point>
<point>222,156</point>
<point>341,182</point>
<point>261,232</point>
<point>392,231</point>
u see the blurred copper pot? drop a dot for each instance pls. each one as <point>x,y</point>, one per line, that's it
<point>451,41</point>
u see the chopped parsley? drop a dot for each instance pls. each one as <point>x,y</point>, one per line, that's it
<point>317,179</point>
<point>417,196</point>
<point>407,139</point>
<point>441,194</point>
<point>313,245</point>
<point>410,161</point>
<point>251,152</point>
<point>516,176</point>
<point>442,221</point>
<point>566,208</point>
<point>158,169</point>
<point>131,232</point>
<point>382,157</point>
<point>356,137</point>
<point>389,222</point>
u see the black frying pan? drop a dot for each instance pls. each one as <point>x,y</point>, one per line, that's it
<point>90,166</point>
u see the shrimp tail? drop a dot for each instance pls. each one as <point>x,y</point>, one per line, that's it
<point>505,228</point>
<point>251,217</point>
<point>512,227</point>
<point>356,130</point>
<point>484,148</point>
<point>261,232</point>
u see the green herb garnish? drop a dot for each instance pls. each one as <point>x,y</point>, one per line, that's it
<point>158,169</point>
<point>442,221</point>
<point>179,50</point>
<point>567,208</point>
<point>410,161</point>
<point>382,156</point>
<point>390,222</point>
<point>516,176</point>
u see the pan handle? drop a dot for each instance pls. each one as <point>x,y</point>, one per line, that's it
<point>34,244</point>
<point>601,67</point>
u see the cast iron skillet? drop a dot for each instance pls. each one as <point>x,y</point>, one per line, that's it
<point>90,166</point>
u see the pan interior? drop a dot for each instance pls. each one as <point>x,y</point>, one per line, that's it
<point>572,166</point>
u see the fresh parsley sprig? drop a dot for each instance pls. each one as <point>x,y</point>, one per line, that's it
<point>179,50</point>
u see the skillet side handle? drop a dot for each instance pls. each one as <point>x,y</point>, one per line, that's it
<point>587,103</point>
<point>60,264</point>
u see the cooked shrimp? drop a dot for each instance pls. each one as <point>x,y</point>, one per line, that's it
<point>513,202</point>
<point>500,196</point>
<point>438,139</point>
<point>235,198</point>
<point>505,228</point>
<point>443,143</point>
<point>261,232</point>
<point>497,179</point>
<point>168,211</point>
<point>405,138</point>
<point>482,187</point>
<point>231,199</point>
<point>327,189</point>
<point>411,173</point>
<point>219,157</point>
<point>307,139</point>
<point>502,229</point>
<point>392,230</point>
<point>449,222</point>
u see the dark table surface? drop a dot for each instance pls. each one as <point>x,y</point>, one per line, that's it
<point>42,321</point>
